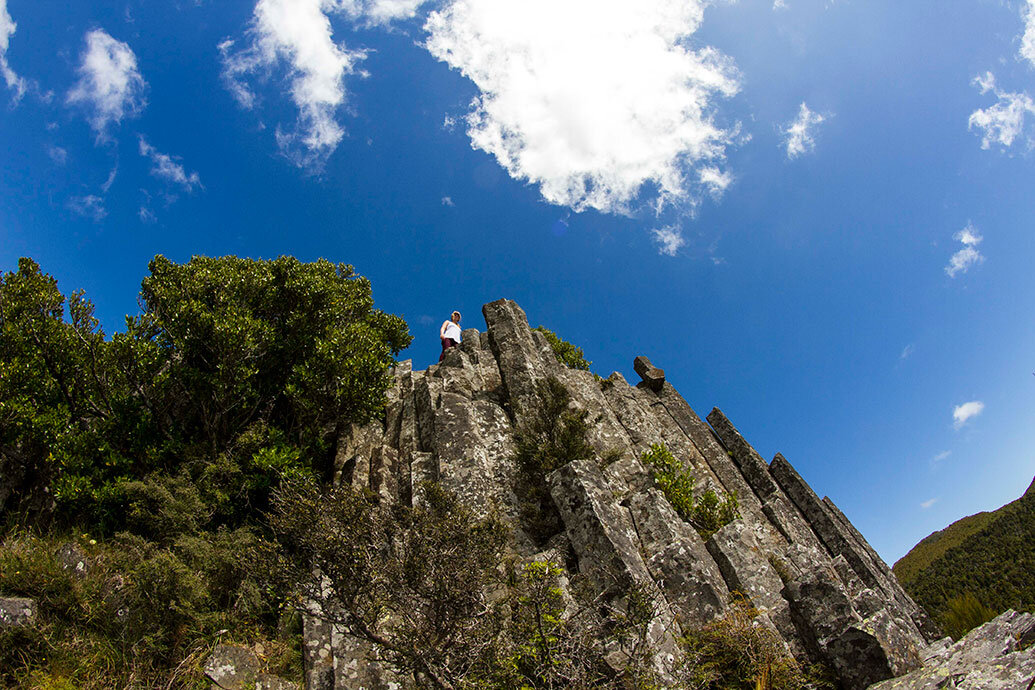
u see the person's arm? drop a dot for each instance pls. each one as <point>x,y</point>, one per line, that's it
<point>442,330</point>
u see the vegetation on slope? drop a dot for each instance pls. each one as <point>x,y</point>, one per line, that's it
<point>569,355</point>
<point>708,512</point>
<point>157,451</point>
<point>984,572</point>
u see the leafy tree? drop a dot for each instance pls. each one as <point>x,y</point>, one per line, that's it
<point>569,355</point>
<point>707,513</point>
<point>236,372</point>
<point>51,387</point>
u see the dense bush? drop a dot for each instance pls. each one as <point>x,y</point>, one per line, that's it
<point>554,434</point>
<point>166,442</point>
<point>431,590</point>
<point>567,354</point>
<point>138,614</point>
<point>736,653</point>
<point>235,369</point>
<point>708,512</point>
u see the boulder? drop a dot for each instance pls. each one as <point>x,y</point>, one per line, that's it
<point>232,667</point>
<point>991,657</point>
<point>653,377</point>
<point>16,611</point>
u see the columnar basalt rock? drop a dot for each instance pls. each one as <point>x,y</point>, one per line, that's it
<point>812,577</point>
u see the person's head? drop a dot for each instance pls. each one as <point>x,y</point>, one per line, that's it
<point>455,317</point>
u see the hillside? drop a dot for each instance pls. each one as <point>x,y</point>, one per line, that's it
<point>990,555</point>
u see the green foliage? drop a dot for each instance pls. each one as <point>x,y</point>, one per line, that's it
<point>553,435</point>
<point>249,366</point>
<point>934,546</point>
<point>707,513</point>
<point>167,441</point>
<point>993,565</point>
<point>412,581</point>
<point>431,590</point>
<point>964,613</point>
<point>733,653</point>
<point>139,614</point>
<point>567,354</point>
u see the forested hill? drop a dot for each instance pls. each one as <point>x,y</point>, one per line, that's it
<point>987,557</point>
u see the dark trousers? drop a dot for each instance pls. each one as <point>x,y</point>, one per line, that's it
<point>446,344</point>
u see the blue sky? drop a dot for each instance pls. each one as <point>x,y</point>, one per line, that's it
<point>816,215</point>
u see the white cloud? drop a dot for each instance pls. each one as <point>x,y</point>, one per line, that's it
<point>111,178</point>
<point>907,351</point>
<point>779,5</point>
<point>715,180</point>
<point>110,86</point>
<point>963,259</point>
<point>166,167</point>
<point>599,103</point>
<point>7,29</point>
<point>1028,39</point>
<point>961,414</point>
<point>669,239</point>
<point>447,201</point>
<point>941,456</point>
<point>800,133</point>
<point>89,206</point>
<point>297,34</point>
<point>928,503</point>
<point>1003,122</point>
<point>146,215</point>
<point>378,12</point>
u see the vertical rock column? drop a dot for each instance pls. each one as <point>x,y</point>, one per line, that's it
<point>777,507</point>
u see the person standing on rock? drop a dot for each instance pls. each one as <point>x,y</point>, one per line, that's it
<point>449,333</point>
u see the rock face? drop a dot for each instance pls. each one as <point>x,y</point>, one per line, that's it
<point>812,576</point>
<point>999,654</point>
<point>231,667</point>
<point>15,611</point>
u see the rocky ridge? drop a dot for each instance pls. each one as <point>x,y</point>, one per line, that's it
<point>812,576</point>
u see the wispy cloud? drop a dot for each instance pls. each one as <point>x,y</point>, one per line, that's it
<point>166,167</point>
<point>1003,122</point>
<point>907,351</point>
<point>298,34</point>
<point>928,503</point>
<point>601,104</point>
<point>669,239</point>
<point>110,86</point>
<point>963,259</point>
<point>961,414</point>
<point>447,201</point>
<point>799,136</point>
<point>7,29</point>
<point>1028,39</point>
<point>57,154</point>
<point>89,206</point>
<point>941,456</point>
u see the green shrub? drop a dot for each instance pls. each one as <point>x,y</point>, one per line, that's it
<point>553,435</point>
<point>140,614</point>
<point>567,354</point>
<point>735,653</point>
<point>964,613</point>
<point>707,513</point>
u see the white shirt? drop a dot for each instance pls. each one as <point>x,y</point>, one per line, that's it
<point>453,331</point>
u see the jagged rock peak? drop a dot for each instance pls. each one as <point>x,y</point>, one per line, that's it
<point>812,576</point>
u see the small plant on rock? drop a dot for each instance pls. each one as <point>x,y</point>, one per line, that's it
<point>569,355</point>
<point>707,513</point>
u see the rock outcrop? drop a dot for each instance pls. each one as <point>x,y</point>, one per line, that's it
<point>1000,654</point>
<point>811,575</point>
